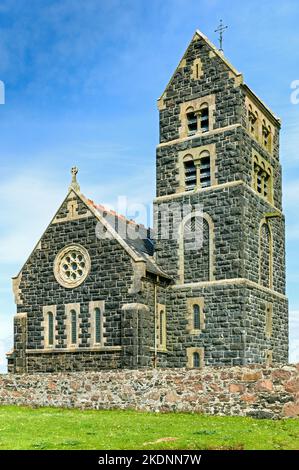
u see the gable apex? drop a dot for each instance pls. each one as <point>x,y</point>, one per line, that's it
<point>199,35</point>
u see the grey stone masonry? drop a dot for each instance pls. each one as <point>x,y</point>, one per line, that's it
<point>247,273</point>
<point>209,288</point>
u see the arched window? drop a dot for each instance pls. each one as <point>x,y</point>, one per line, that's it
<point>204,117</point>
<point>252,120</point>
<point>265,256</point>
<point>205,169</point>
<point>192,121</point>
<point>190,173</point>
<point>266,131</point>
<point>98,325</point>
<point>50,329</point>
<point>161,328</point>
<point>196,360</point>
<point>73,336</point>
<point>196,317</point>
<point>262,180</point>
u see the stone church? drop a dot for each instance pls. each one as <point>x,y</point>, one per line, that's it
<point>207,286</point>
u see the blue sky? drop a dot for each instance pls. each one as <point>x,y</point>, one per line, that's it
<point>82,80</point>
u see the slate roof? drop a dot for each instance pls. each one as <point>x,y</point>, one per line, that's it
<point>136,236</point>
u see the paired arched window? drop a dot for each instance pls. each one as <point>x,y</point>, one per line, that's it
<point>198,120</point>
<point>265,256</point>
<point>197,171</point>
<point>262,181</point>
<point>50,329</point>
<point>74,324</point>
<point>98,326</point>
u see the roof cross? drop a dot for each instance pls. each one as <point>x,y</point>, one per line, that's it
<point>221,28</point>
<point>74,183</point>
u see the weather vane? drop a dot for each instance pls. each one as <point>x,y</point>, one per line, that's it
<point>221,28</point>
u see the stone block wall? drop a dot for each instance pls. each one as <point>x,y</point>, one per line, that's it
<point>245,391</point>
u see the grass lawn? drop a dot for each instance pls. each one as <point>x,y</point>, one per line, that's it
<point>51,428</point>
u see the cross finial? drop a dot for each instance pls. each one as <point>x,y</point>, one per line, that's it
<point>221,28</point>
<point>74,184</point>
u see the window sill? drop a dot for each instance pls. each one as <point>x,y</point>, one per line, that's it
<point>195,332</point>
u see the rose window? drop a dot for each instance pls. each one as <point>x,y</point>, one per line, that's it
<point>72,266</point>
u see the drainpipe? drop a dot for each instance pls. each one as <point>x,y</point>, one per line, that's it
<point>244,361</point>
<point>155,324</point>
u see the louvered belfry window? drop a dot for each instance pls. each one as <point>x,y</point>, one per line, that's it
<point>190,175</point>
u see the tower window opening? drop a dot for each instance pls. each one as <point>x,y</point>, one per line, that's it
<point>204,118</point>
<point>190,175</point>
<point>205,171</point>
<point>192,123</point>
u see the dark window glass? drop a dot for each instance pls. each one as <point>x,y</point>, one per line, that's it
<point>73,327</point>
<point>50,329</point>
<point>161,328</point>
<point>98,326</point>
<point>196,360</point>
<point>196,317</point>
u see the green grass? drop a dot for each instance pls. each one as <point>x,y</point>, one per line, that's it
<point>51,428</point>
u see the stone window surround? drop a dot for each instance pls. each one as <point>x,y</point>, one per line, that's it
<point>45,325</point>
<point>69,284</point>
<point>196,154</point>
<point>163,346</point>
<point>269,320</point>
<point>181,257</point>
<point>196,104</point>
<point>264,221</point>
<point>93,305</point>
<point>68,326</point>
<point>261,120</point>
<point>257,159</point>
<point>190,352</point>
<point>190,315</point>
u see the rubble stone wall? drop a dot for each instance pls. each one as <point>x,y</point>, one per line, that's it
<point>256,391</point>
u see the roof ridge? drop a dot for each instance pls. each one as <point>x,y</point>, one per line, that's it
<point>101,208</point>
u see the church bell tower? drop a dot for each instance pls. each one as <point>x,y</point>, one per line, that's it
<point>219,183</point>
